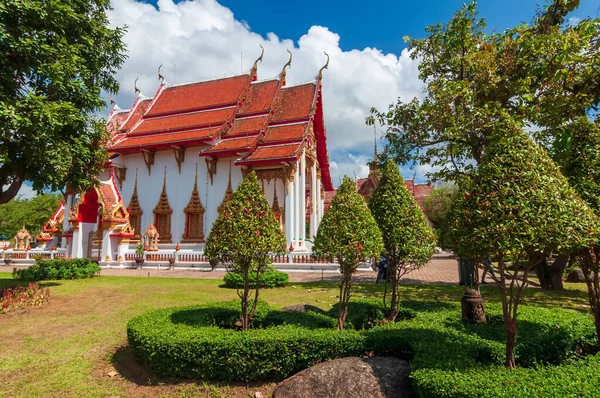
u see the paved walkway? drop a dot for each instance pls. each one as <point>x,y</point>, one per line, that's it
<point>440,270</point>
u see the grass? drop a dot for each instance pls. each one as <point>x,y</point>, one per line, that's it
<point>69,347</point>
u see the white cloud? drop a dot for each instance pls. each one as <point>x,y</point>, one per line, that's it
<point>200,39</point>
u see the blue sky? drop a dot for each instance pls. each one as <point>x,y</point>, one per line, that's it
<point>376,23</point>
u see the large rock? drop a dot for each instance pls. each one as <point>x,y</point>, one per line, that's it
<point>377,377</point>
<point>576,276</point>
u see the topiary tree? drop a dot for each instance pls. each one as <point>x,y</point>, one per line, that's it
<point>582,166</point>
<point>348,233</point>
<point>244,236</point>
<point>408,240</point>
<point>516,207</point>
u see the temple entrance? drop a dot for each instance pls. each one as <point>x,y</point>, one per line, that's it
<point>94,246</point>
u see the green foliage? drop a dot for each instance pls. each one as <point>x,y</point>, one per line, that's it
<point>546,73</point>
<point>31,213</point>
<point>244,236</point>
<point>517,203</point>
<point>246,232</point>
<point>78,268</point>
<point>187,342</point>
<point>139,249</point>
<point>348,232</point>
<point>268,280</point>
<point>56,58</point>
<point>407,238</point>
<point>436,207</point>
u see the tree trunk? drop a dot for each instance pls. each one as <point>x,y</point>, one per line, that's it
<point>345,286</point>
<point>550,275</point>
<point>394,301</point>
<point>245,315</point>
<point>511,341</point>
<point>13,188</point>
<point>589,267</point>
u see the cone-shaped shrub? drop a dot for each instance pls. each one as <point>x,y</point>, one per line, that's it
<point>408,240</point>
<point>517,207</point>
<point>243,238</point>
<point>348,233</point>
<point>582,165</point>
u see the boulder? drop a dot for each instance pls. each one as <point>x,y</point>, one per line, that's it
<point>576,276</point>
<point>378,377</point>
<point>303,308</point>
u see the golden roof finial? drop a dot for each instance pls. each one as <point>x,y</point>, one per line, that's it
<point>165,181</point>
<point>255,67</point>
<point>135,88</point>
<point>326,66</point>
<point>160,76</point>
<point>196,178</point>
<point>289,64</point>
<point>112,101</point>
<point>135,183</point>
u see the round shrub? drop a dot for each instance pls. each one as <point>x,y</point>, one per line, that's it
<point>446,355</point>
<point>77,268</point>
<point>268,280</point>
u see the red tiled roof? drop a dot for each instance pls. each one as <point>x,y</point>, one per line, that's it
<point>136,113</point>
<point>260,97</point>
<point>200,95</point>
<point>272,153</point>
<point>248,125</point>
<point>288,132</point>
<point>296,102</point>
<point>185,121</point>
<point>233,145</point>
<point>164,139</point>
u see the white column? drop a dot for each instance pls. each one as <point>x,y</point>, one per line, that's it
<point>77,244</point>
<point>303,201</point>
<point>319,203</point>
<point>66,213</point>
<point>289,212</point>
<point>297,204</point>
<point>313,201</point>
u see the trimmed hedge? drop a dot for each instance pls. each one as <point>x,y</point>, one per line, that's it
<point>268,280</point>
<point>78,268</point>
<point>449,358</point>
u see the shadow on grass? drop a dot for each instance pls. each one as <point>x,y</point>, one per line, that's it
<point>7,283</point>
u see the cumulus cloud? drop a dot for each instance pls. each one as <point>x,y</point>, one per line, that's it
<point>201,39</point>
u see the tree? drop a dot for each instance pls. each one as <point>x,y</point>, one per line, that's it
<point>582,164</point>
<point>31,213</point>
<point>348,233</point>
<point>408,241</point>
<point>544,74</point>
<point>55,58</point>
<point>436,207</point>
<point>244,236</point>
<point>517,207</point>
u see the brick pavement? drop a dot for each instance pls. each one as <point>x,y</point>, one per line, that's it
<point>440,270</point>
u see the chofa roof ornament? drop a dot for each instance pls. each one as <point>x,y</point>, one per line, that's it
<point>161,77</point>
<point>136,89</point>
<point>326,66</point>
<point>255,66</point>
<point>287,65</point>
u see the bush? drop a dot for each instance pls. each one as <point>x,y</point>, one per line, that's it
<point>23,296</point>
<point>268,280</point>
<point>78,268</point>
<point>198,342</point>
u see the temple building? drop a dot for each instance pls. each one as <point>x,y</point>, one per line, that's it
<point>177,156</point>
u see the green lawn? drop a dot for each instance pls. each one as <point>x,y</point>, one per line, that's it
<point>68,347</point>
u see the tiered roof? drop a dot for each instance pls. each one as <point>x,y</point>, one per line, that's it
<point>262,123</point>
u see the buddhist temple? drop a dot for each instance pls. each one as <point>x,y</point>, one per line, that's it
<point>177,156</point>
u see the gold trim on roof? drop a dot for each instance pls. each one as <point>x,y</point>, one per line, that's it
<point>135,210</point>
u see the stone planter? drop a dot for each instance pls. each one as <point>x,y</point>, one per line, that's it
<point>213,264</point>
<point>473,309</point>
<point>139,262</point>
<point>7,261</point>
<point>171,262</point>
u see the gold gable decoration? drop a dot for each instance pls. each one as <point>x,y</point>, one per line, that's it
<point>22,239</point>
<point>162,214</point>
<point>228,191</point>
<point>277,210</point>
<point>135,211</point>
<point>151,237</point>
<point>194,216</point>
